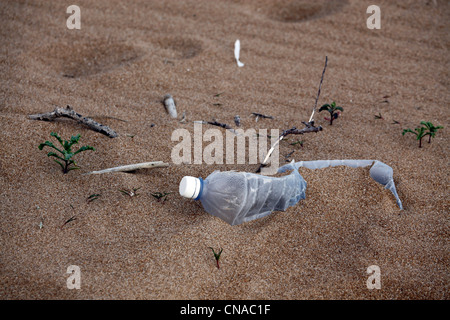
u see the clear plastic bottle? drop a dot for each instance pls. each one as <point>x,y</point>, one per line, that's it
<point>238,197</point>
<point>379,171</point>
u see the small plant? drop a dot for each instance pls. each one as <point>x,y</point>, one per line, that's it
<point>67,221</point>
<point>379,116</point>
<point>332,109</point>
<point>130,193</point>
<point>299,142</point>
<point>427,129</point>
<point>66,153</point>
<point>73,218</point>
<point>431,129</point>
<point>161,196</point>
<point>419,133</point>
<point>93,197</point>
<point>217,256</point>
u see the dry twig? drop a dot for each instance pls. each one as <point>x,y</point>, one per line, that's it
<point>311,119</point>
<point>132,167</point>
<point>309,127</point>
<point>260,115</point>
<point>68,112</point>
<point>218,124</point>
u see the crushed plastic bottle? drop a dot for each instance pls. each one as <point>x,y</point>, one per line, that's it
<point>380,172</point>
<point>238,197</point>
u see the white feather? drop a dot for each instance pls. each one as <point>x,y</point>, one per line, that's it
<point>237,49</point>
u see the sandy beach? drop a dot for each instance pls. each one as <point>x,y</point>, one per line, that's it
<point>117,68</point>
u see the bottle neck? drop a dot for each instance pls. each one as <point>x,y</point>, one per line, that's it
<point>202,188</point>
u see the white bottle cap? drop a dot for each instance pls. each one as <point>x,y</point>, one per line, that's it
<point>190,187</point>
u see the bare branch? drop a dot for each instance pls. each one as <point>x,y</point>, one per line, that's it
<point>311,119</point>
<point>222,125</point>
<point>218,124</point>
<point>309,127</point>
<point>132,167</point>
<point>70,113</point>
<point>260,115</point>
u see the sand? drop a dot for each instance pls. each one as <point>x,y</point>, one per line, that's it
<point>117,68</point>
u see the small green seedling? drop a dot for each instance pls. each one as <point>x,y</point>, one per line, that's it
<point>67,221</point>
<point>130,193</point>
<point>66,152</point>
<point>217,256</point>
<point>332,109</point>
<point>427,129</point>
<point>431,129</point>
<point>73,218</point>
<point>93,197</point>
<point>300,142</point>
<point>419,133</point>
<point>379,116</point>
<point>161,196</point>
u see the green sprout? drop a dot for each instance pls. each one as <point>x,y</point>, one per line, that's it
<point>67,221</point>
<point>332,109</point>
<point>93,197</point>
<point>73,218</point>
<point>161,196</point>
<point>130,193</point>
<point>419,133</point>
<point>299,142</point>
<point>432,130</point>
<point>217,256</point>
<point>66,152</point>
<point>427,129</point>
<point>379,116</point>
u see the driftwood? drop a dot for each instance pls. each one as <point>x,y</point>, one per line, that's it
<point>132,167</point>
<point>70,113</point>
